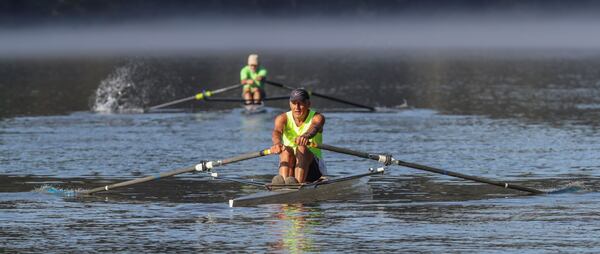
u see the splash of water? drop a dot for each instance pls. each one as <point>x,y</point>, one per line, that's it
<point>48,189</point>
<point>119,93</point>
<point>571,187</point>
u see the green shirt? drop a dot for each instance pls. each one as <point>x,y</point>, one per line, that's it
<point>247,73</point>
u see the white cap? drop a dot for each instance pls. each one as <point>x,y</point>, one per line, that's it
<point>253,59</point>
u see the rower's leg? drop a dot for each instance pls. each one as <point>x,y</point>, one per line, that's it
<point>303,159</point>
<point>247,96</point>
<point>256,95</point>
<point>287,161</point>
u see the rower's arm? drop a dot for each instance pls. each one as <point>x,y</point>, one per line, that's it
<point>316,126</point>
<point>244,77</point>
<point>276,137</point>
<point>262,74</point>
<point>280,121</point>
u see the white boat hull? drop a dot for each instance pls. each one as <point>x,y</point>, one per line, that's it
<point>326,190</point>
<point>254,109</point>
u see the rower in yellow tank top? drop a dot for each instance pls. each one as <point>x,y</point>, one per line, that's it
<point>292,131</point>
<point>291,136</point>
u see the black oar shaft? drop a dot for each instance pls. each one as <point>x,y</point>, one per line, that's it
<point>427,168</point>
<point>276,98</point>
<point>468,177</point>
<point>342,101</point>
<point>224,99</point>
<point>203,167</point>
<point>322,96</point>
<point>344,151</point>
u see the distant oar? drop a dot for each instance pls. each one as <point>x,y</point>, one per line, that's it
<point>242,100</point>
<point>387,159</point>
<point>204,166</point>
<point>199,96</point>
<point>322,96</point>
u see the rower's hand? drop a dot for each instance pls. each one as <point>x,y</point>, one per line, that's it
<point>249,81</point>
<point>302,140</point>
<point>277,148</point>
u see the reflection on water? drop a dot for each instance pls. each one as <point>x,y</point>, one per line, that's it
<point>297,225</point>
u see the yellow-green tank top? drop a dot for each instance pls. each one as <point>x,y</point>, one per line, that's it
<point>291,132</point>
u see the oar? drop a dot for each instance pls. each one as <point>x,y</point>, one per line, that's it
<point>203,166</point>
<point>242,100</point>
<point>322,96</point>
<point>387,159</point>
<point>199,96</point>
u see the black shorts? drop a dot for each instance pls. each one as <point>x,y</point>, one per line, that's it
<point>313,172</point>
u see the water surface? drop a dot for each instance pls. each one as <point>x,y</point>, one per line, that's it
<point>406,209</point>
<point>530,119</point>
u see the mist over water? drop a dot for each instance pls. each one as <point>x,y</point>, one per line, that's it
<point>186,36</point>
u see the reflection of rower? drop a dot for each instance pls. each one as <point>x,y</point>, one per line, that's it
<point>252,76</point>
<point>296,233</point>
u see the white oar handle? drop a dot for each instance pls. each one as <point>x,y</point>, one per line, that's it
<point>385,159</point>
<point>206,165</point>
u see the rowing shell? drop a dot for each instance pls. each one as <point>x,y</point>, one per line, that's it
<point>254,108</point>
<point>321,190</point>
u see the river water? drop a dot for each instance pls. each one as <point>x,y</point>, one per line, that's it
<point>528,119</point>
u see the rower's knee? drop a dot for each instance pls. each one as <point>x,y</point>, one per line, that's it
<point>303,149</point>
<point>287,151</point>
<point>287,158</point>
<point>303,157</point>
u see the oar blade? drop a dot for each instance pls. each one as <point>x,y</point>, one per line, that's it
<point>572,187</point>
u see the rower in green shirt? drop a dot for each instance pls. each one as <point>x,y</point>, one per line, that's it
<point>252,76</point>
